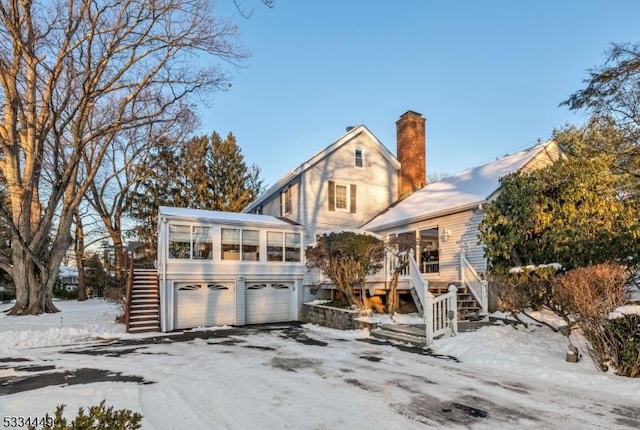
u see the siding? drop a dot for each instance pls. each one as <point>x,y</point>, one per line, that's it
<point>463,228</point>
<point>376,187</point>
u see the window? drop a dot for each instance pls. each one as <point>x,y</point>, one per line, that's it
<point>283,246</point>
<point>342,197</point>
<point>359,157</point>
<point>230,244</point>
<point>285,202</point>
<point>274,246</point>
<point>179,241</point>
<point>202,243</point>
<point>292,246</point>
<point>429,258</point>
<point>250,245</point>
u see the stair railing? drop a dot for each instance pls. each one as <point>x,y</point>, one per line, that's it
<point>440,313</point>
<point>475,284</point>
<point>128,286</point>
<point>416,282</point>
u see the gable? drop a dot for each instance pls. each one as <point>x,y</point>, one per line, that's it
<point>359,135</point>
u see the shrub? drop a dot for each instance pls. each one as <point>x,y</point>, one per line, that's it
<point>346,258</point>
<point>98,417</point>
<point>520,290</point>
<point>590,294</point>
<point>623,339</point>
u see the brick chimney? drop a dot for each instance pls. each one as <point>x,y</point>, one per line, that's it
<point>411,151</point>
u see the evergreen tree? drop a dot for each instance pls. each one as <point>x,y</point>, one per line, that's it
<point>206,172</point>
<point>575,212</point>
<point>232,183</point>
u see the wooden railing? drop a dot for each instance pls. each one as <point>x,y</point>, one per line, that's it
<point>416,281</point>
<point>127,268</point>
<point>440,313</point>
<point>475,284</point>
<point>443,317</point>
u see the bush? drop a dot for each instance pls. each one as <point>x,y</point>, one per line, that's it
<point>528,288</point>
<point>623,339</point>
<point>99,417</point>
<point>60,292</point>
<point>6,296</point>
<point>590,294</point>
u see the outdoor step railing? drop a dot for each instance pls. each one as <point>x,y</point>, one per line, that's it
<point>476,285</point>
<point>440,313</point>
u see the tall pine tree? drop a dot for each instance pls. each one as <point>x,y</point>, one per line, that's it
<point>206,172</point>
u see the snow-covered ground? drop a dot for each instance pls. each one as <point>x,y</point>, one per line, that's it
<point>305,377</point>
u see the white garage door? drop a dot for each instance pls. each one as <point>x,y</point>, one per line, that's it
<point>202,304</point>
<point>269,302</point>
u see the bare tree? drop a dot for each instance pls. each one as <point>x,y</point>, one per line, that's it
<point>74,76</point>
<point>119,177</point>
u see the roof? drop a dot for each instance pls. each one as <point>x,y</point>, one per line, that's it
<point>345,138</point>
<point>462,191</point>
<point>221,217</point>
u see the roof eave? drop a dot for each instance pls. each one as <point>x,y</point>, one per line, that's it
<point>427,217</point>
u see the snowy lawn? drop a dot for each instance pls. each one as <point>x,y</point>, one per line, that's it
<point>309,377</point>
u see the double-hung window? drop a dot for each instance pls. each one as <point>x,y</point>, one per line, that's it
<point>359,157</point>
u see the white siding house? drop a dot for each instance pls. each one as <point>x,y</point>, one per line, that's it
<point>343,186</point>
<point>219,268</point>
<point>442,218</point>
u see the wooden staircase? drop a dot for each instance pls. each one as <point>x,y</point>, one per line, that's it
<point>468,307</point>
<point>144,302</point>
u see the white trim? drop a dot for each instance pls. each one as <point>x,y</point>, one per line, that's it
<point>347,188</point>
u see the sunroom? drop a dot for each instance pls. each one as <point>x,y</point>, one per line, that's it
<point>223,268</point>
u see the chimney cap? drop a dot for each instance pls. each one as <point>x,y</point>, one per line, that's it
<point>410,112</point>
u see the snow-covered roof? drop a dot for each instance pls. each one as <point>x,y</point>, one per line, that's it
<point>350,134</point>
<point>223,217</point>
<point>455,193</point>
<point>68,271</point>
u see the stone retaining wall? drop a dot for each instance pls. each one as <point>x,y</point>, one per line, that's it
<point>342,319</point>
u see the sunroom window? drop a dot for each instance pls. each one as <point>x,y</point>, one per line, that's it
<point>230,243</point>
<point>250,245</point>
<point>179,241</point>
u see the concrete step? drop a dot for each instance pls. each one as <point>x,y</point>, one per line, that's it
<point>380,333</point>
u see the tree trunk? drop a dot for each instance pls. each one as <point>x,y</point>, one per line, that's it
<point>79,251</point>
<point>392,305</point>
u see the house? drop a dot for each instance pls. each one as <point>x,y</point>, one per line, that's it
<point>223,268</point>
<point>218,268</point>
<point>440,221</point>
<point>356,182</point>
<point>68,277</point>
<point>348,183</point>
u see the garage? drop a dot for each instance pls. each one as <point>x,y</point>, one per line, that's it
<point>204,304</point>
<point>269,302</point>
<point>226,268</point>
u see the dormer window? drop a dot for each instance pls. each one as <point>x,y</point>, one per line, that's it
<point>359,158</point>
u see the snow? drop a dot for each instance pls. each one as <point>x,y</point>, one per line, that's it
<point>621,311</point>
<point>520,269</point>
<point>306,377</point>
<point>223,217</point>
<point>457,192</point>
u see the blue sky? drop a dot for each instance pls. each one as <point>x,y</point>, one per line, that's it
<point>487,75</point>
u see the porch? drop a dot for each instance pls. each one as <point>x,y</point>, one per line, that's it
<point>472,289</point>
